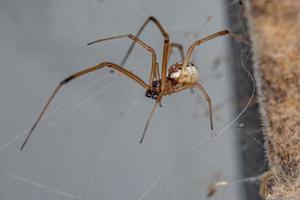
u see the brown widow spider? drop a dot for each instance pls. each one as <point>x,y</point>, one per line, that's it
<point>182,75</point>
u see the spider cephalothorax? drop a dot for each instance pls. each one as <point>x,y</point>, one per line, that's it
<point>178,77</point>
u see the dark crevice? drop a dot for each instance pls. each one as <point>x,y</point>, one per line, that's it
<point>249,135</point>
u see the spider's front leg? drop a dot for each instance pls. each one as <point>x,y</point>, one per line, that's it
<point>159,26</point>
<point>76,75</point>
<point>154,66</point>
<point>211,37</point>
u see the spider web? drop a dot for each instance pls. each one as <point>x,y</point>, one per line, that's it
<point>86,146</point>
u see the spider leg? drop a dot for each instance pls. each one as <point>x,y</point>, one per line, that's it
<point>179,47</point>
<point>156,22</point>
<point>164,63</point>
<point>157,102</point>
<point>76,75</point>
<point>156,73</point>
<point>165,48</point>
<point>200,87</point>
<point>143,44</point>
<point>148,121</point>
<point>210,37</point>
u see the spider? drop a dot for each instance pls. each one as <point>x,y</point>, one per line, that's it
<point>179,76</point>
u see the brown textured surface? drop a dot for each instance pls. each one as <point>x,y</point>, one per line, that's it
<point>275,32</point>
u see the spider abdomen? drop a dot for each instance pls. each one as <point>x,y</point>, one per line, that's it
<point>183,75</point>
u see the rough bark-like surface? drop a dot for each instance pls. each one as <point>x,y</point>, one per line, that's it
<point>275,32</point>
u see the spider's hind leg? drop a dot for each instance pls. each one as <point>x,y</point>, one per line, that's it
<point>159,26</point>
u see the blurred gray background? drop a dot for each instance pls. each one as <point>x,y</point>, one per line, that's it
<point>86,146</point>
